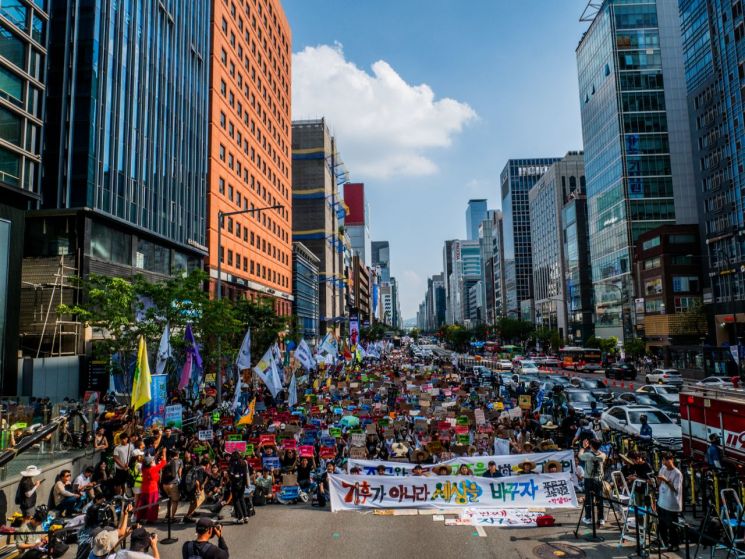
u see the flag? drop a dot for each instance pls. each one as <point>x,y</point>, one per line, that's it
<point>539,400</point>
<point>292,396</point>
<point>141,384</point>
<point>237,397</point>
<point>267,371</point>
<point>192,358</point>
<point>164,351</point>
<point>244,355</point>
<point>248,419</point>
<point>304,356</point>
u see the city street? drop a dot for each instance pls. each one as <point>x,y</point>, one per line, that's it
<point>302,531</point>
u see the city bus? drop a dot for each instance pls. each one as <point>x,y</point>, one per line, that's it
<point>580,358</point>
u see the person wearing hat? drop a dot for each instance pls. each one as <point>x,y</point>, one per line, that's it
<point>26,492</point>
<point>140,540</point>
<point>202,547</point>
<point>552,467</point>
<point>491,470</point>
<point>103,542</point>
<point>526,467</point>
<point>417,470</point>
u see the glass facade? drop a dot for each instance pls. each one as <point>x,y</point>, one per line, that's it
<point>630,77</point>
<point>577,275</point>
<point>4,264</point>
<point>713,42</point>
<point>518,177</point>
<point>305,292</point>
<point>128,115</point>
<point>23,27</point>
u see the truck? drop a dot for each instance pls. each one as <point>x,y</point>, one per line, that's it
<point>706,411</point>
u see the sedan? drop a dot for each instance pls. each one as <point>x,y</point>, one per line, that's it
<point>621,371</point>
<point>504,365</point>
<point>581,400</point>
<point>591,368</point>
<point>664,376</point>
<point>671,394</point>
<point>627,419</point>
<point>528,367</point>
<point>635,398</point>
<point>716,382</point>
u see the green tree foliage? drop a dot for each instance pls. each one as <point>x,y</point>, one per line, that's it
<point>634,348</point>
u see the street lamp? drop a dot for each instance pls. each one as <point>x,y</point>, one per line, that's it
<point>221,215</point>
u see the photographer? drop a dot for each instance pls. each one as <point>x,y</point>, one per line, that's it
<point>101,542</point>
<point>201,547</point>
<point>670,501</point>
<point>28,541</point>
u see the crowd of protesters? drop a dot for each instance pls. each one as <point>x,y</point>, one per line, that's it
<point>419,411</point>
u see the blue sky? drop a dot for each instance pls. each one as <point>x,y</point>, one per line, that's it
<point>429,98</point>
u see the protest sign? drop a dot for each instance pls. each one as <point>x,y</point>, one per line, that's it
<point>205,435</point>
<point>235,437</point>
<point>289,444</point>
<point>249,450</point>
<point>327,452</point>
<point>525,491</point>
<point>271,462</point>
<point>506,464</point>
<point>174,416</point>
<point>306,451</point>
<point>524,402</point>
<point>503,518</point>
<point>358,439</point>
<point>267,440</point>
<point>235,446</point>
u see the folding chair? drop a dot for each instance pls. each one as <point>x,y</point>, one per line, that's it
<point>731,515</point>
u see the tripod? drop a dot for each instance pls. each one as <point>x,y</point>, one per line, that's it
<point>592,488</point>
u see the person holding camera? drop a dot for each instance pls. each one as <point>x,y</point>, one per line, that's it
<point>202,548</point>
<point>670,501</point>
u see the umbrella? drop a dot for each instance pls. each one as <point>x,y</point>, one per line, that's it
<point>350,421</point>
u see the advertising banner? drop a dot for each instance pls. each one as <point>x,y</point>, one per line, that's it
<point>385,492</point>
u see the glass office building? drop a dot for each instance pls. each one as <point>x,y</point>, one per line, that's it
<point>127,125</point>
<point>637,143</point>
<point>23,52</point>
<point>713,42</point>
<point>305,290</point>
<point>518,177</point>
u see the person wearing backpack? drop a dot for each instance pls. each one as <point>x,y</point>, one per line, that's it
<point>170,480</point>
<point>194,486</point>
<point>201,548</point>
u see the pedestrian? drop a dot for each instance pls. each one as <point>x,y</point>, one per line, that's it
<point>713,453</point>
<point>147,502</point>
<point>201,547</point>
<point>238,472</point>
<point>670,501</point>
<point>593,459</point>
<point>645,431</point>
<point>26,494</point>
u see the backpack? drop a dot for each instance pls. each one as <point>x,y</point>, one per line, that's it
<point>192,551</point>
<point>191,478</point>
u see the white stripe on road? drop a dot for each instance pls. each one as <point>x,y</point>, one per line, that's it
<point>480,531</point>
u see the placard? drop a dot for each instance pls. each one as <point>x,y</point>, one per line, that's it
<point>358,439</point>
<point>270,462</point>
<point>335,432</point>
<point>385,492</point>
<point>267,440</point>
<point>327,452</point>
<point>289,444</point>
<point>524,402</point>
<point>235,446</point>
<point>235,437</point>
<point>205,435</point>
<point>174,416</point>
<point>502,518</point>
<point>249,450</point>
<point>306,451</point>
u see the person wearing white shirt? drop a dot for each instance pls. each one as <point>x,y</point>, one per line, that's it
<point>669,501</point>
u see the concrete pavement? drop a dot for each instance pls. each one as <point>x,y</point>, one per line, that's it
<point>297,531</point>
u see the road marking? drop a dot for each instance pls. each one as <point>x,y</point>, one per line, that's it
<point>480,531</point>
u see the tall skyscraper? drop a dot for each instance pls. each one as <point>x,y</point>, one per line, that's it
<point>125,157</point>
<point>637,144</point>
<point>447,271</point>
<point>475,214</point>
<point>518,177</point>
<point>466,272</point>
<point>546,200</point>
<point>713,36</point>
<point>357,221</point>
<point>486,249</point>
<point>23,51</point>
<point>381,258</point>
<point>249,150</point>
<point>498,264</point>
<point>317,176</point>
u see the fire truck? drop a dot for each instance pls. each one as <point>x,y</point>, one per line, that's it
<point>707,411</point>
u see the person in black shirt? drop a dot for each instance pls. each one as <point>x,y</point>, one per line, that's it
<point>304,468</point>
<point>491,470</point>
<point>201,547</point>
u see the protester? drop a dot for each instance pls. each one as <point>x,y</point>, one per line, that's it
<point>593,460</point>
<point>26,493</point>
<point>65,500</point>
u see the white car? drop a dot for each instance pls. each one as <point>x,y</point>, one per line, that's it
<point>666,392</point>
<point>716,382</point>
<point>526,366</point>
<point>504,365</point>
<point>664,376</point>
<point>627,420</point>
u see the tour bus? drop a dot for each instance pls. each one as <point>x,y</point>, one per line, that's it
<point>580,358</point>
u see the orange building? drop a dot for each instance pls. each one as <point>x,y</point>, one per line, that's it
<point>250,150</point>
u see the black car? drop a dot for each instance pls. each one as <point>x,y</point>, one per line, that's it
<point>621,371</point>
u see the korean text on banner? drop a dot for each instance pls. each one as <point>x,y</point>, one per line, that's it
<point>384,492</point>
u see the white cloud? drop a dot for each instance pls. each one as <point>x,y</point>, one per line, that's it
<point>384,125</point>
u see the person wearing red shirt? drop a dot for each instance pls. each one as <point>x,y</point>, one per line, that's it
<point>147,503</point>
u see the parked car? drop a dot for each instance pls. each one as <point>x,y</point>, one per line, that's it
<point>716,382</point>
<point>621,371</point>
<point>504,365</point>
<point>664,376</point>
<point>638,398</point>
<point>626,419</point>
<point>527,366</point>
<point>669,393</point>
<point>581,400</point>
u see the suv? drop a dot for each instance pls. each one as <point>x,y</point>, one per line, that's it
<point>626,418</point>
<point>621,371</point>
<point>664,376</point>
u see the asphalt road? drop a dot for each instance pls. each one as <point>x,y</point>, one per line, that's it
<point>299,531</point>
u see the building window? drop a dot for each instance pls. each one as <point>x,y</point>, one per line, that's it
<point>651,243</point>
<point>685,284</point>
<point>222,152</point>
<point>224,57</point>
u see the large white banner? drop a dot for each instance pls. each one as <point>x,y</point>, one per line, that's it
<point>389,492</point>
<point>507,464</point>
